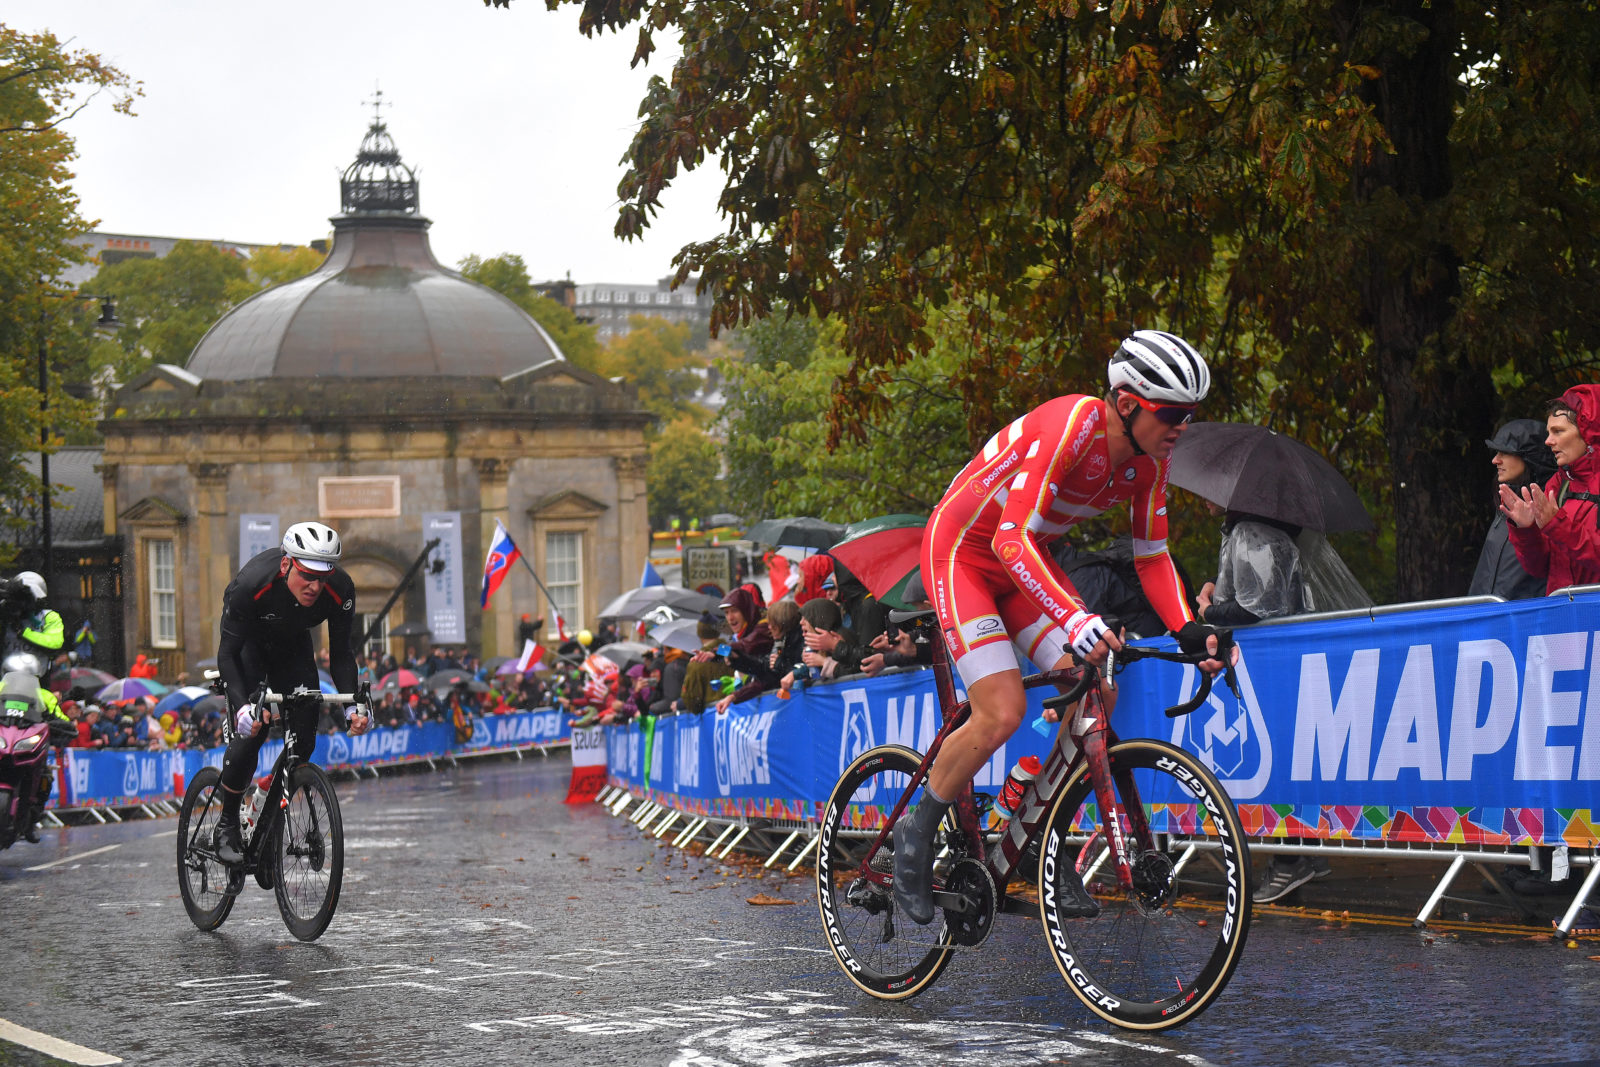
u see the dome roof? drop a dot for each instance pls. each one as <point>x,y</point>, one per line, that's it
<point>380,306</point>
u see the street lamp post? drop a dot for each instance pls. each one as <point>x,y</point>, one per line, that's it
<point>107,321</point>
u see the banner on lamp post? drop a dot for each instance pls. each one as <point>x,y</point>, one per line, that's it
<point>257,533</point>
<point>445,590</point>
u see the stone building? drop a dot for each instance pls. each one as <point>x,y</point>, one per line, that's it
<point>611,306</point>
<point>375,393</point>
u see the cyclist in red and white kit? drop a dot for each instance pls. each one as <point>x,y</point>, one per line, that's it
<point>999,594</point>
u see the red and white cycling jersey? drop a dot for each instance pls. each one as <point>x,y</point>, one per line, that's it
<point>983,556</point>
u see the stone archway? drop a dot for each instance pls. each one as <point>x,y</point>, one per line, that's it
<point>375,579</point>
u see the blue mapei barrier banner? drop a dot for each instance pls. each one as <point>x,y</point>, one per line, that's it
<point>779,759</point>
<point>1464,724</point>
<point>119,777</point>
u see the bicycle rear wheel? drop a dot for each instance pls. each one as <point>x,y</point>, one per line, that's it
<point>1157,955</point>
<point>890,957</point>
<point>310,859</point>
<point>202,878</point>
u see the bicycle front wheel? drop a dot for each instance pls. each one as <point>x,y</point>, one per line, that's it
<point>202,878</point>
<point>885,954</point>
<point>310,853</point>
<point>1157,955</point>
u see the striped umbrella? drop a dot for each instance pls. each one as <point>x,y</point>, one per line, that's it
<point>130,689</point>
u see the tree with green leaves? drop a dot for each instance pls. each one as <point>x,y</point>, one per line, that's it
<point>167,304</point>
<point>43,83</point>
<point>654,355</point>
<point>1369,213</point>
<point>775,420</point>
<point>507,275</point>
<point>272,265</point>
<point>682,474</point>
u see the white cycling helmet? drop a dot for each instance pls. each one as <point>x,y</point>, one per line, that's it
<point>1160,367</point>
<point>25,662</point>
<point>313,546</point>
<point>35,583</point>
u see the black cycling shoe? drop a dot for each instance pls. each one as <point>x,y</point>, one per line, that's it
<point>32,832</point>
<point>1072,900</point>
<point>913,860</point>
<point>228,841</point>
<point>267,862</point>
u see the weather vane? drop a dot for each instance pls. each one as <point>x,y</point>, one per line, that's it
<point>377,105</point>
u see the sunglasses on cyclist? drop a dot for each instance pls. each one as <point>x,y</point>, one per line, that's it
<point>1167,414</point>
<point>308,575</point>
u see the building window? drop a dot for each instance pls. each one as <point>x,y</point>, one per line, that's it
<point>163,594</point>
<point>563,571</point>
<point>663,298</point>
<point>378,642</point>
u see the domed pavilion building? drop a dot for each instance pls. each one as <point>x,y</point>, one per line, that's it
<point>398,402</point>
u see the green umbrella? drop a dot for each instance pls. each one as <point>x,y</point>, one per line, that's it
<point>885,553</point>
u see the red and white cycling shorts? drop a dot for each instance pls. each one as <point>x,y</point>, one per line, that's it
<point>987,621</point>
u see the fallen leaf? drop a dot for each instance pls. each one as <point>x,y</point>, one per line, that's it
<point>764,898</point>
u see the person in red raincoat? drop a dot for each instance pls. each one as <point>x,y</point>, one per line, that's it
<point>1556,533</point>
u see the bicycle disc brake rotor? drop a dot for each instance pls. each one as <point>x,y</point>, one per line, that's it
<point>314,852</point>
<point>1155,883</point>
<point>972,880</point>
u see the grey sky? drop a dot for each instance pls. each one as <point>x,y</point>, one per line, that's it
<point>514,121</point>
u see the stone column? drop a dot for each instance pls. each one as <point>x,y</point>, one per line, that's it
<point>108,498</point>
<point>212,560</point>
<point>496,624</point>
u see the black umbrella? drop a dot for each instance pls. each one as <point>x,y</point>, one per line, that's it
<point>624,653</point>
<point>636,603</point>
<point>797,533</point>
<point>445,680</point>
<point>410,629</point>
<point>1259,471</point>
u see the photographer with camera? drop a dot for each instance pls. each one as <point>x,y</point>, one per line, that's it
<point>30,626</point>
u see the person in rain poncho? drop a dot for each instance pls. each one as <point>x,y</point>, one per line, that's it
<point>1258,572</point>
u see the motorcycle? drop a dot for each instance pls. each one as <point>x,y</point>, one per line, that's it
<point>26,735</point>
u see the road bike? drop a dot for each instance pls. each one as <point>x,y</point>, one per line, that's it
<point>1130,817</point>
<point>296,846</point>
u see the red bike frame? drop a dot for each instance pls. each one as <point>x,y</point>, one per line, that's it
<point>1089,726</point>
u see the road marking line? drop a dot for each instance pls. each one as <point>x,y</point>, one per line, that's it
<point>73,859</point>
<point>164,833</point>
<point>53,1046</point>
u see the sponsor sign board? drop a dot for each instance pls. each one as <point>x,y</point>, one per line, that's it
<point>1467,723</point>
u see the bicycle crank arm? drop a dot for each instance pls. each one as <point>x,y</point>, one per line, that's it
<point>959,903</point>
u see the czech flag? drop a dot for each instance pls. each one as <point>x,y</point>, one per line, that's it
<point>502,554</point>
<point>648,576</point>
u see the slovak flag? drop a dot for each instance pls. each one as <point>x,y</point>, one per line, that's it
<point>502,554</point>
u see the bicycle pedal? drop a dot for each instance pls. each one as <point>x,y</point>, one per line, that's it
<point>235,884</point>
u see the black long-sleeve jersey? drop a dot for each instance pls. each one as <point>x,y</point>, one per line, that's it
<point>259,610</point>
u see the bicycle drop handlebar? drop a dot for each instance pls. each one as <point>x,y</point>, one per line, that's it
<point>1133,653</point>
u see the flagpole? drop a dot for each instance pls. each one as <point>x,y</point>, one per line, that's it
<point>552,600</point>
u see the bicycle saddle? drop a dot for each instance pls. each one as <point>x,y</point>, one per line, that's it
<point>900,618</point>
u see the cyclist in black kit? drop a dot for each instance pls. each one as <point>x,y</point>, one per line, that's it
<point>268,613</point>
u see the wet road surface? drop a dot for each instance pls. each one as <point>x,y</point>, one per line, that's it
<point>483,921</point>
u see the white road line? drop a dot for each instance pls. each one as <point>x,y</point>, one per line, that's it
<point>165,833</point>
<point>74,859</point>
<point>53,1046</point>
